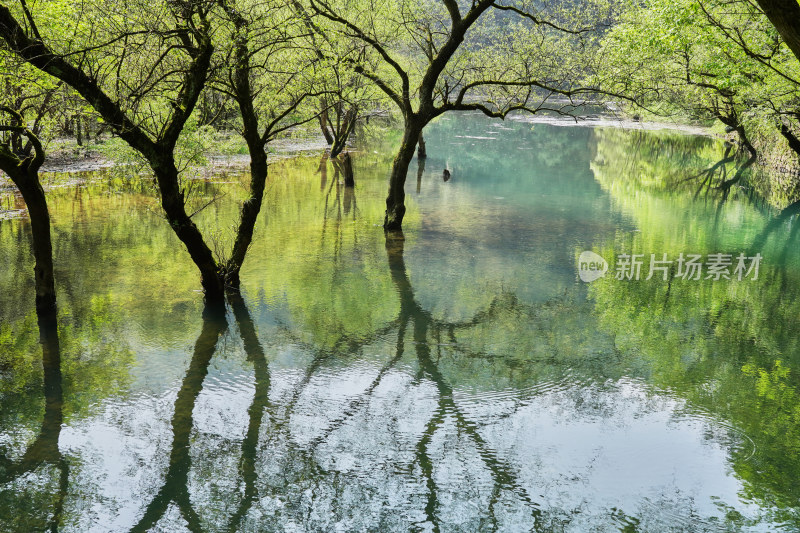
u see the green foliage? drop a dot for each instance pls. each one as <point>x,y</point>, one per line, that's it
<point>711,60</point>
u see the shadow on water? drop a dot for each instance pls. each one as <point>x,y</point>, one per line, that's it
<point>44,450</point>
<point>716,181</point>
<point>785,216</point>
<point>343,203</point>
<point>257,410</point>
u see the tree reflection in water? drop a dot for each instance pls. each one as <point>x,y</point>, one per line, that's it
<point>300,465</point>
<point>44,450</point>
<point>175,487</point>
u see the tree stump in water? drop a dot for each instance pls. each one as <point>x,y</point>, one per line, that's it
<point>446,175</point>
<point>421,152</point>
<point>347,170</point>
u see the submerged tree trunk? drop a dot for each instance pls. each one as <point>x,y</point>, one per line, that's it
<point>395,201</point>
<point>347,170</point>
<point>41,242</point>
<point>172,202</point>
<point>25,176</point>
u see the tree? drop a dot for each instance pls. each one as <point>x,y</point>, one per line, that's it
<point>144,67</point>
<point>149,107</point>
<point>709,59</point>
<point>173,78</point>
<point>23,108</point>
<point>347,100</point>
<point>271,75</point>
<point>434,57</point>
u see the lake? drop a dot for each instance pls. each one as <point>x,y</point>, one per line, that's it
<point>463,378</point>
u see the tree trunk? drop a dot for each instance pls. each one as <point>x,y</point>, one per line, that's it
<point>421,151</point>
<point>250,210</point>
<point>339,143</point>
<point>420,172</point>
<point>347,170</point>
<point>785,16</point>
<point>78,130</point>
<point>256,146</point>
<point>41,243</point>
<point>324,121</point>
<point>172,201</point>
<point>395,201</point>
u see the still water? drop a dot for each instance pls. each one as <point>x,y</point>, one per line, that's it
<point>461,379</point>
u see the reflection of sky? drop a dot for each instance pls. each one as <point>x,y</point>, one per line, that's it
<point>617,447</point>
<point>578,451</point>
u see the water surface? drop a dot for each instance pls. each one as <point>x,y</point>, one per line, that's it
<point>461,379</point>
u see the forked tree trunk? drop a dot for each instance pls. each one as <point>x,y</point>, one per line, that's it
<point>342,134</point>
<point>395,201</point>
<point>256,146</point>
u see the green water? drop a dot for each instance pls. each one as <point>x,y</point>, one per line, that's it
<point>463,379</point>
